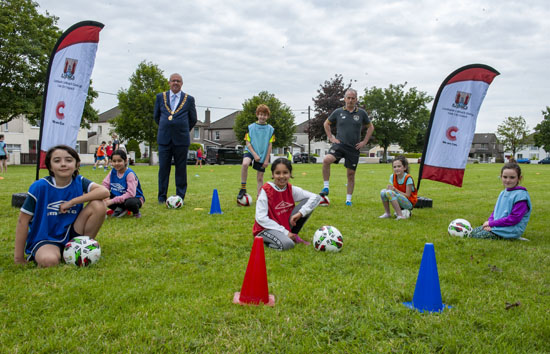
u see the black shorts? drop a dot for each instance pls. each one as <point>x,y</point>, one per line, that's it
<point>255,164</point>
<point>3,157</point>
<point>71,234</point>
<point>348,152</point>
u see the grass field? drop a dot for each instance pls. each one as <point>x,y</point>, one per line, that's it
<point>165,282</point>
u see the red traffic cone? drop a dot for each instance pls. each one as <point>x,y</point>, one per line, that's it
<point>254,290</point>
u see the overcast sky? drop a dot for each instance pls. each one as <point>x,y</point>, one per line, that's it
<point>228,51</point>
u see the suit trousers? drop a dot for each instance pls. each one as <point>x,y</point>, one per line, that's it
<point>179,153</point>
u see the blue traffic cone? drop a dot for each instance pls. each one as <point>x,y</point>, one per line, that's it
<point>215,207</point>
<point>427,294</point>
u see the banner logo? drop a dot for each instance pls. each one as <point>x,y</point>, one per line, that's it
<point>461,99</point>
<point>451,133</point>
<point>69,69</point>
<point>59,110</point>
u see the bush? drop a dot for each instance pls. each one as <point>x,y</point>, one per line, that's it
<point>195,146</point>
<point>133,145</point>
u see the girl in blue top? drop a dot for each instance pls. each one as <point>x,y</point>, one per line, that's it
<point>123,184</point>
<point>53,212</point>
<point>512,210</point>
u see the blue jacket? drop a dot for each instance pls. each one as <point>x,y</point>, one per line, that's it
<point>175,131</point>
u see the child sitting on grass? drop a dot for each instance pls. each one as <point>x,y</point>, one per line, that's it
<point>126,194</point>
<point>512,210</point>
<point>278,220</point>
<point>401,192</point>
<point>54,211</point>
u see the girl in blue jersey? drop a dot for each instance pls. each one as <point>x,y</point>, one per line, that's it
<point>123,184</point>
<point>512,210</point>
<point>54,211</point>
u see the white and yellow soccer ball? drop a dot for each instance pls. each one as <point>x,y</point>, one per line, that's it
<point>174,202</point>
<point>82,251</point>
<point>246,200</point>
<point>328,238</point>
<point>460,228</point>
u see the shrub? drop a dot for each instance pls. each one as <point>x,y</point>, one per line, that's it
<point>133,145</point>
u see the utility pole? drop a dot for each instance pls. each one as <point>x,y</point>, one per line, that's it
<point>308,133</point>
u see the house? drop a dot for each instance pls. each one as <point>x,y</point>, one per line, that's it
<point>221,133</point>
<point>21,140</point>
<point>301,142</point>
<point>529,151</point>
<point>486,148</point>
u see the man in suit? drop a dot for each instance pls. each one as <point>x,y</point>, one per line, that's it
<point>176,115</point>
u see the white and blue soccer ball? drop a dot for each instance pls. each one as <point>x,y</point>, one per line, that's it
<point>82,251</point>
<point>174,202</point>
<point>460,228</point>
<point>328,238</point>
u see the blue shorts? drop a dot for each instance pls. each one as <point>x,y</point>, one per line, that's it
<point>99,158</point>
<point>71,233</point>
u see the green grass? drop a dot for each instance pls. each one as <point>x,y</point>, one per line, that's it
<point>165,283</point>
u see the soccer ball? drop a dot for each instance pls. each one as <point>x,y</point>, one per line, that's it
<point>328,238</point>
<point>460,228</point>
<point>246,200</point>
<point>82,251</point>
<point>324,201</point>
<point>174,202</point>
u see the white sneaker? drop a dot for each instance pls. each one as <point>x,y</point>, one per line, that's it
<point>400,217</point>
<point>384,216</point>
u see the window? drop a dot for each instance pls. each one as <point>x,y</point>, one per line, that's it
<point>217,135</point>
<point>13,147</point>
<point>99,129</point>
<point>317,151</point>
<point>196,133</point>
<point>6,127</point>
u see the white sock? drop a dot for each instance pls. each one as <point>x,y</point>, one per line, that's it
<point>348,197</point>
<point>325,184</point>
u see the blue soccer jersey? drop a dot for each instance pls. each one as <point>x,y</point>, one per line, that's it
<point>43,201</point>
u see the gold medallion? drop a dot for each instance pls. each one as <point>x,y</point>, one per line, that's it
<point>170,117</point>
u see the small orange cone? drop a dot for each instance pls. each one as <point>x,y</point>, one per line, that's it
<point>254,290</point>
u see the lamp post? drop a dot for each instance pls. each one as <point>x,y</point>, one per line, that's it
<point>308,132</point>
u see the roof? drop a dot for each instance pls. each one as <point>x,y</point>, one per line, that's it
<point>109,114</point>
<point>301,128</point>
<point>484,138</point>
<point>226,122</point>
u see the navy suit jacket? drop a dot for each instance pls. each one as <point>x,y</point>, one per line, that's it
<point>175,131</point>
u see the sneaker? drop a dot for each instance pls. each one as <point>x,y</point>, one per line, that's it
<point>93,168</point>
<point>349,203</point>
<point>137,215</point>
<point>110,212</point>
<point>241,194</point>
<point>400,218</point>
<point>324,192</point>
<point>384,216</point>
<point>119,212</point>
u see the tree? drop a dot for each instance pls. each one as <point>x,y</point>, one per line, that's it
<point>281,118</point>
<point>137,103</point>
<point>512,133</point>
<point>398,116</point>
<point>330,96</point>
<point>26,41</point>
<point>542,131</point>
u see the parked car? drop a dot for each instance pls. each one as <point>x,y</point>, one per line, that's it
<point>191,158</point>
<point>389,159</point>
<point>303,158</point>
<point>223,156</point>
<point>545,161</point>
<point>523,160</point>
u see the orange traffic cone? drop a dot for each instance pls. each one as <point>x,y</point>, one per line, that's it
<point>254,290</point>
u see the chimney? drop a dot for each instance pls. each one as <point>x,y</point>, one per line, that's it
<point>207,117</point>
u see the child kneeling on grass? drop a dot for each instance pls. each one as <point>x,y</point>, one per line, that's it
<point>53,212</point>
<point>278,220</point>
<point>401,192</point>
<point>126,194</point>
<point>512,210</point>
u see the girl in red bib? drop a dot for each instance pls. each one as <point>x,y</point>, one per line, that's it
<point>401,192</point>
<point>278,220</point>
